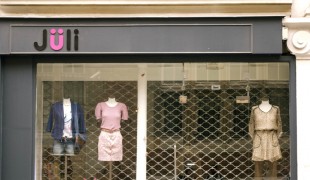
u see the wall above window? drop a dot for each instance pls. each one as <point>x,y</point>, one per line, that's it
<point>144,8</point>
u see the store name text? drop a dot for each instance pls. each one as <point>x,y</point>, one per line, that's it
<point>57,38</point>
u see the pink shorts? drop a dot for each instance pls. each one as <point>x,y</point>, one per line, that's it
<point>110,146</point>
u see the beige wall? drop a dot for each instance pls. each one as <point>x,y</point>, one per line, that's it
<point>165,72</point>
<point>144,8</point>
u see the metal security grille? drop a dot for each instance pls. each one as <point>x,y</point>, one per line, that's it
<point>203,139</point>
<point>86,164</point>
<point>207,137</point>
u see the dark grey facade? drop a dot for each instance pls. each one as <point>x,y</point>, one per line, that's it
<point>134,36</point>
<point>24,43</point>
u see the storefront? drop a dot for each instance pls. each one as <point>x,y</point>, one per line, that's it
<point>189,86</point>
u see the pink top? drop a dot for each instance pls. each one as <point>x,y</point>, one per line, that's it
<point>111,116</point>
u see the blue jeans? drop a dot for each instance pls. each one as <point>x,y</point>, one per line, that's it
<point>63,147</point>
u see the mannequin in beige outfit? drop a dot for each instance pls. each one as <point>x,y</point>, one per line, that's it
<point>265,129</point>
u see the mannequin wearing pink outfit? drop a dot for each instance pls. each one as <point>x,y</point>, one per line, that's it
<point>109,115</point>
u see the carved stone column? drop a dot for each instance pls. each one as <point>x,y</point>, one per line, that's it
<point>298,42</point>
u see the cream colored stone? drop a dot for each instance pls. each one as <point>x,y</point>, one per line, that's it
<point>144,8</point>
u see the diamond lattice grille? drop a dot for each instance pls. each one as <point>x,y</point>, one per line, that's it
<point>204,138</point>
<point>208,136</point>
<point>86,164</point>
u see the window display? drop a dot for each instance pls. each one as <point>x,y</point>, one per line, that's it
<point>110,114</point>
<point>62,125</point>
<point>210,134</point>
<point>265,128</point>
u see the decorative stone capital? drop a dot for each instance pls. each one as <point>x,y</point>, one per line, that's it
<point>298,38</point>
<point>298,25</point>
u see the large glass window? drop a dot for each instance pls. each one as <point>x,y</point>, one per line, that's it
<point>86,85</point>
<point>208,136</point>
<point>198,120</point>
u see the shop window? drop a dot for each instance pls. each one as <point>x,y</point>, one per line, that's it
<point>203,138</point>
<point>208,136</point>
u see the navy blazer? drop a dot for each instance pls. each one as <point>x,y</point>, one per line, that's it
<point>55,122</point>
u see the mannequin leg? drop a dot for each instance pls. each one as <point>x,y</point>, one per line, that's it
<point>272,174</point>
<point>259,165</point>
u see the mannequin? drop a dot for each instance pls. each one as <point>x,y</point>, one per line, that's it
<point>63,115</point>
<point>61,125</point>
<point>109,114</point>
<point>265,129</point>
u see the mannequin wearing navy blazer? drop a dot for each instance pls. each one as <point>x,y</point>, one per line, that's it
<point>55,123</point>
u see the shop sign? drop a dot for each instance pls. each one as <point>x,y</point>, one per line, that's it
<point>56,39</point>
<point>143,38</point>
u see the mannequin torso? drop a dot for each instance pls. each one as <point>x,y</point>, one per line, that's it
<point>265,106</point>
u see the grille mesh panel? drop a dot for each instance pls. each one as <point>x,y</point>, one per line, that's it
<point>86,164</point>
<point>208,135</point>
